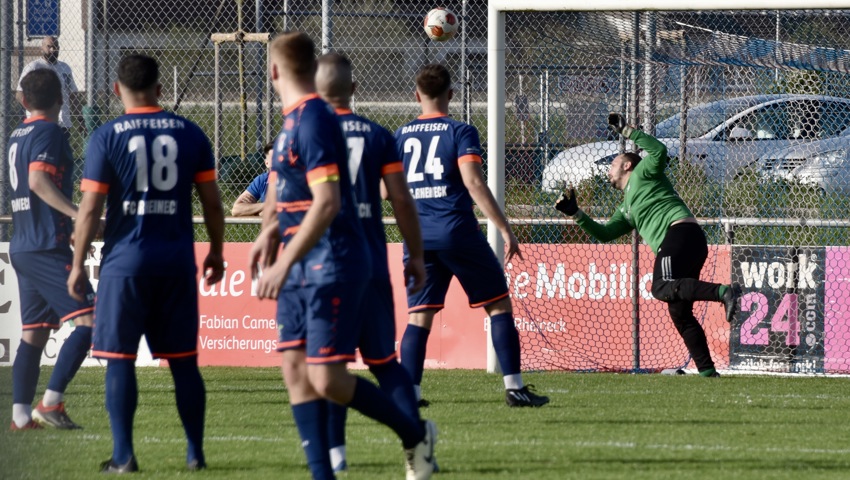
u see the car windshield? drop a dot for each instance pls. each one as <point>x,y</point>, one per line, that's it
<point>703,118</point>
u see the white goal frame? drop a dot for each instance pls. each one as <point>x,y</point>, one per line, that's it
<point>496,75</point>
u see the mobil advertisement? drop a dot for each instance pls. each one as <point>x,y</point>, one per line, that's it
<point>573,306</point>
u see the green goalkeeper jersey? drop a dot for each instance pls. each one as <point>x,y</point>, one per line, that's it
<point>650,203</point>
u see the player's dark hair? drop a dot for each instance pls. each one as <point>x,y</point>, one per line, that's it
<point>433,80</point>
<point>138,72</point>
<point>632,157</point>
<point>297,52</point>
<point>41,88</point>
<point>268,147</point>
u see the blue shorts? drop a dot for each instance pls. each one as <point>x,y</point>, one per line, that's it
<point>163,309</point>
<point>377,334</point>
<point>323,319</point>
<point>476,268</point>
<point>43,287</point>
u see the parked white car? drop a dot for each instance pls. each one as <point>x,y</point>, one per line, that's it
<point>723,136</point>
<point>822,163</point>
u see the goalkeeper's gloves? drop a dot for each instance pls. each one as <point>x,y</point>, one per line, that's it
<point>567,203</point>
<point>617,123</point>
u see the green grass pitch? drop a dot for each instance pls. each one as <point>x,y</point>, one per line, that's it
<point>598,426</point>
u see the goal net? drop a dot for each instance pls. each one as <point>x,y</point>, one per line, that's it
<point>754,108</point>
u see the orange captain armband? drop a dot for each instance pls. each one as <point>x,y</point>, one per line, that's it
<point>327,173</point>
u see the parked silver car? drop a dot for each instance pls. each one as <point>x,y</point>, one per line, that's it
<point>723,136</point>
<point>822,163</point>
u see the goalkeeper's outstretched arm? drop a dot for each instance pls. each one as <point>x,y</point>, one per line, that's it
<point>616,227</point>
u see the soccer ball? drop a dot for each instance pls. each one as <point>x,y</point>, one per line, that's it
<point>441,24</point>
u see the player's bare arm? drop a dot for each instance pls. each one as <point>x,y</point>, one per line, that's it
<point>264,251</point>
<point>473,180</point>
<point>246,206</point>
<point>214,220</point>
<point>326,204</point>
<point>269,211</point>
<point>85,229</point>
<point>407,218</point>
<point>41,184</point>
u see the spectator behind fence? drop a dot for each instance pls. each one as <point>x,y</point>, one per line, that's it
<point>250,202</point>
<point>70,93</point>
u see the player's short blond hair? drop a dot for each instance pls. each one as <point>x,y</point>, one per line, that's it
<point>295,53</point>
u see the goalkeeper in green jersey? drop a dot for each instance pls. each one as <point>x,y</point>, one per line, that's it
<point>652,207</point>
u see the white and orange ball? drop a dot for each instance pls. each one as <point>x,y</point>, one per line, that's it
<point>441,24</point>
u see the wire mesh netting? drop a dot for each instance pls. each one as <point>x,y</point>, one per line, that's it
<point>753,107</point>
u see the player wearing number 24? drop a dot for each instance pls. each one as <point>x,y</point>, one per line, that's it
<point>653,208</point>
<point>144,165</point>
<point>442,159</point>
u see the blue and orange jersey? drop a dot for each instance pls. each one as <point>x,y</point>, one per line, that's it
<point>38,144</point>
<point>311,149</point>
<point>147,162</point>
<point>433,147</point>
<point>371,155</point>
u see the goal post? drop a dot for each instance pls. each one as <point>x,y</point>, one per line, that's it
<point>777,336</point>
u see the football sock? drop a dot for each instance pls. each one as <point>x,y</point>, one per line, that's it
<point>25,372</point>
<point>52,398</point>
<point>513,382</point>
<point>721,290</point>
<point>71,356</point>
<point>21,414</point>
<point>337,455</point>
<point>336,425</point>
<point>191,397</point>
<point>396,383</point>
<point>311,418</point>
<point>417,390</point>
<point>505,342</point>
<point>413,344</point>
<point>373,403</point>
<point>122,397</point>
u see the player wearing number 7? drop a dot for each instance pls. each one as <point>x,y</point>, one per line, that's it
<point>144,165</point>
<point>373,160</point>
<point>653,208</point>
<point>442,161</point>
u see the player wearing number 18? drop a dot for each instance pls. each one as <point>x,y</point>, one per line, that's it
<point>144,165</point>
<point>442,161</point>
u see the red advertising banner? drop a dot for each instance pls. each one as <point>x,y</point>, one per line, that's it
<point>572,305</point>
<point>236,327</point>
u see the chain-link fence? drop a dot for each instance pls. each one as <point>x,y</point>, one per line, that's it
<point>752,105</point>
<point>228,90</point>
